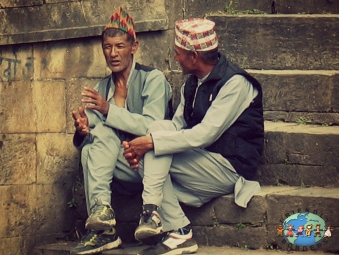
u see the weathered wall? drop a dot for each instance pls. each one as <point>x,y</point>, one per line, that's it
<point>40,84</point>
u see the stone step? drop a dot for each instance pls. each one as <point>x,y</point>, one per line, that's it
<point>194,8</point>
<point>222,223</point>
<point>300,155</point>
<point>291,95</point>
<point>299,90</point>
<point>65,248</point>
<point>282,42</point>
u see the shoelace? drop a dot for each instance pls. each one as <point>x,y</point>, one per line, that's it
<point>89,236</point>
<point>99,209</point>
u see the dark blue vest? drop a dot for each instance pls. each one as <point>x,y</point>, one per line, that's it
<point>242,143</point>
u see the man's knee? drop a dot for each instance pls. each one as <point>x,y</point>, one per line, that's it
<point>160,125</point>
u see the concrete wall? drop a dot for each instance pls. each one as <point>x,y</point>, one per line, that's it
<point>49,50</point>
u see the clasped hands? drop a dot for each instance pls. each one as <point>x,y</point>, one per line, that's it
<point>136,149</point>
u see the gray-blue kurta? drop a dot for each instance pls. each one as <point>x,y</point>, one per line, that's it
<point>147,100</point>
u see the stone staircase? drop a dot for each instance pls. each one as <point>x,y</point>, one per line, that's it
<point>295,55</point>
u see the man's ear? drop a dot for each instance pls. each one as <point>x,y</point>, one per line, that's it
<point>194,56</point>
<point>135,47</point>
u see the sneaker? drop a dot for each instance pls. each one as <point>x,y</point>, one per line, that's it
<point>149,224</point>
<point>175,243</point>
<point>102,217</point>
<point>97,241</point>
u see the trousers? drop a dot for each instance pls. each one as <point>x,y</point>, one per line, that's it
<point>192,177</point>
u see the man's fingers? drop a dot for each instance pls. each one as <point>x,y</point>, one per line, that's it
<point>125,144</point>
<point>135,167</point>
<point>87,89</point>
<point>82,112</point>
<point>74,115</point>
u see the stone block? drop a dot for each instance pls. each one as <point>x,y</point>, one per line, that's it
<point>57,158</point>
<point>74,19</point>
<point>52,207</point>
<point>50,104</point>
<point>156,49</point>
<point>17,107</point>
<point>174,11</point>
<point>17,159</point>
<point>296,175</point>
<point>301,144</point>
<point>176,79</point>
<point>223,210</point>
<point>278,41</point>
<point>324,119</point>
<point>227,212</point>
<point>76,58</point>
<point>239,236</point>
<point>274,152</point>
<point>335,94</point>
<point>16,62</point>
<point>19,3</point>
<point>321,201</point>
<point>23,245</point>
<point>74,88</point>
<point>202,216</point>
<point>200,8</point>
<point>19,204</point>
<point>307,6</point>
<point>63,248</point>
<point>297,91</point>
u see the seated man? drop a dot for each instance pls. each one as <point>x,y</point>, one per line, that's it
<point>120,107</point>
<point>212,146</point>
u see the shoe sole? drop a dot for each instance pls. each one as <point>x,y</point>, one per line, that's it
<point>100,225</point>
<point>184,250</point>
<point>177,251</point>
<point>143,233</point>
<point>105,247</point>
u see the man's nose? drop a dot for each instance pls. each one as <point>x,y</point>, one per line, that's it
<point>113,52</point>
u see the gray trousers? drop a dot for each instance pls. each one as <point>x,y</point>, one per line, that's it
<point>192,177</point>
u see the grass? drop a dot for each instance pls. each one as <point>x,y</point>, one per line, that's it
<point>239,226</point>
<point>229,9</point>
<point>303,121</point>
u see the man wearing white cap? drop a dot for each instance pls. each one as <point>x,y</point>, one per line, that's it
<point>211,148</point>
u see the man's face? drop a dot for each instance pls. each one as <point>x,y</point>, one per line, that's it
<point>118,52</point>
<point>184,59</point>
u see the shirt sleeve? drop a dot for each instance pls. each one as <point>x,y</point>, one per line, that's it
<point>233,98</point>
<point>178,118</point>
<point>155,94</point>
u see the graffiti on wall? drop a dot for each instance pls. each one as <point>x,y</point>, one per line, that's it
<point>13,68</point>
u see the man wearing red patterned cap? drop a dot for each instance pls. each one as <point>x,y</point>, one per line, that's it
<point>212,146</point>
<point>119,108</point>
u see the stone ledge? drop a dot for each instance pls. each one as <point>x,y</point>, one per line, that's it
<point>65,248</point>
<point>256,41</point>
<point>221,222</point>
<point>67,20</point>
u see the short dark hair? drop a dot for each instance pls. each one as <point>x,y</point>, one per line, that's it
<point>113,32</point>
<point>209,56</point>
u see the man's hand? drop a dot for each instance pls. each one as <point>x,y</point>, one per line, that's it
<point>94,101</point>
<point>136,149</point>
<point>81,122</point>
